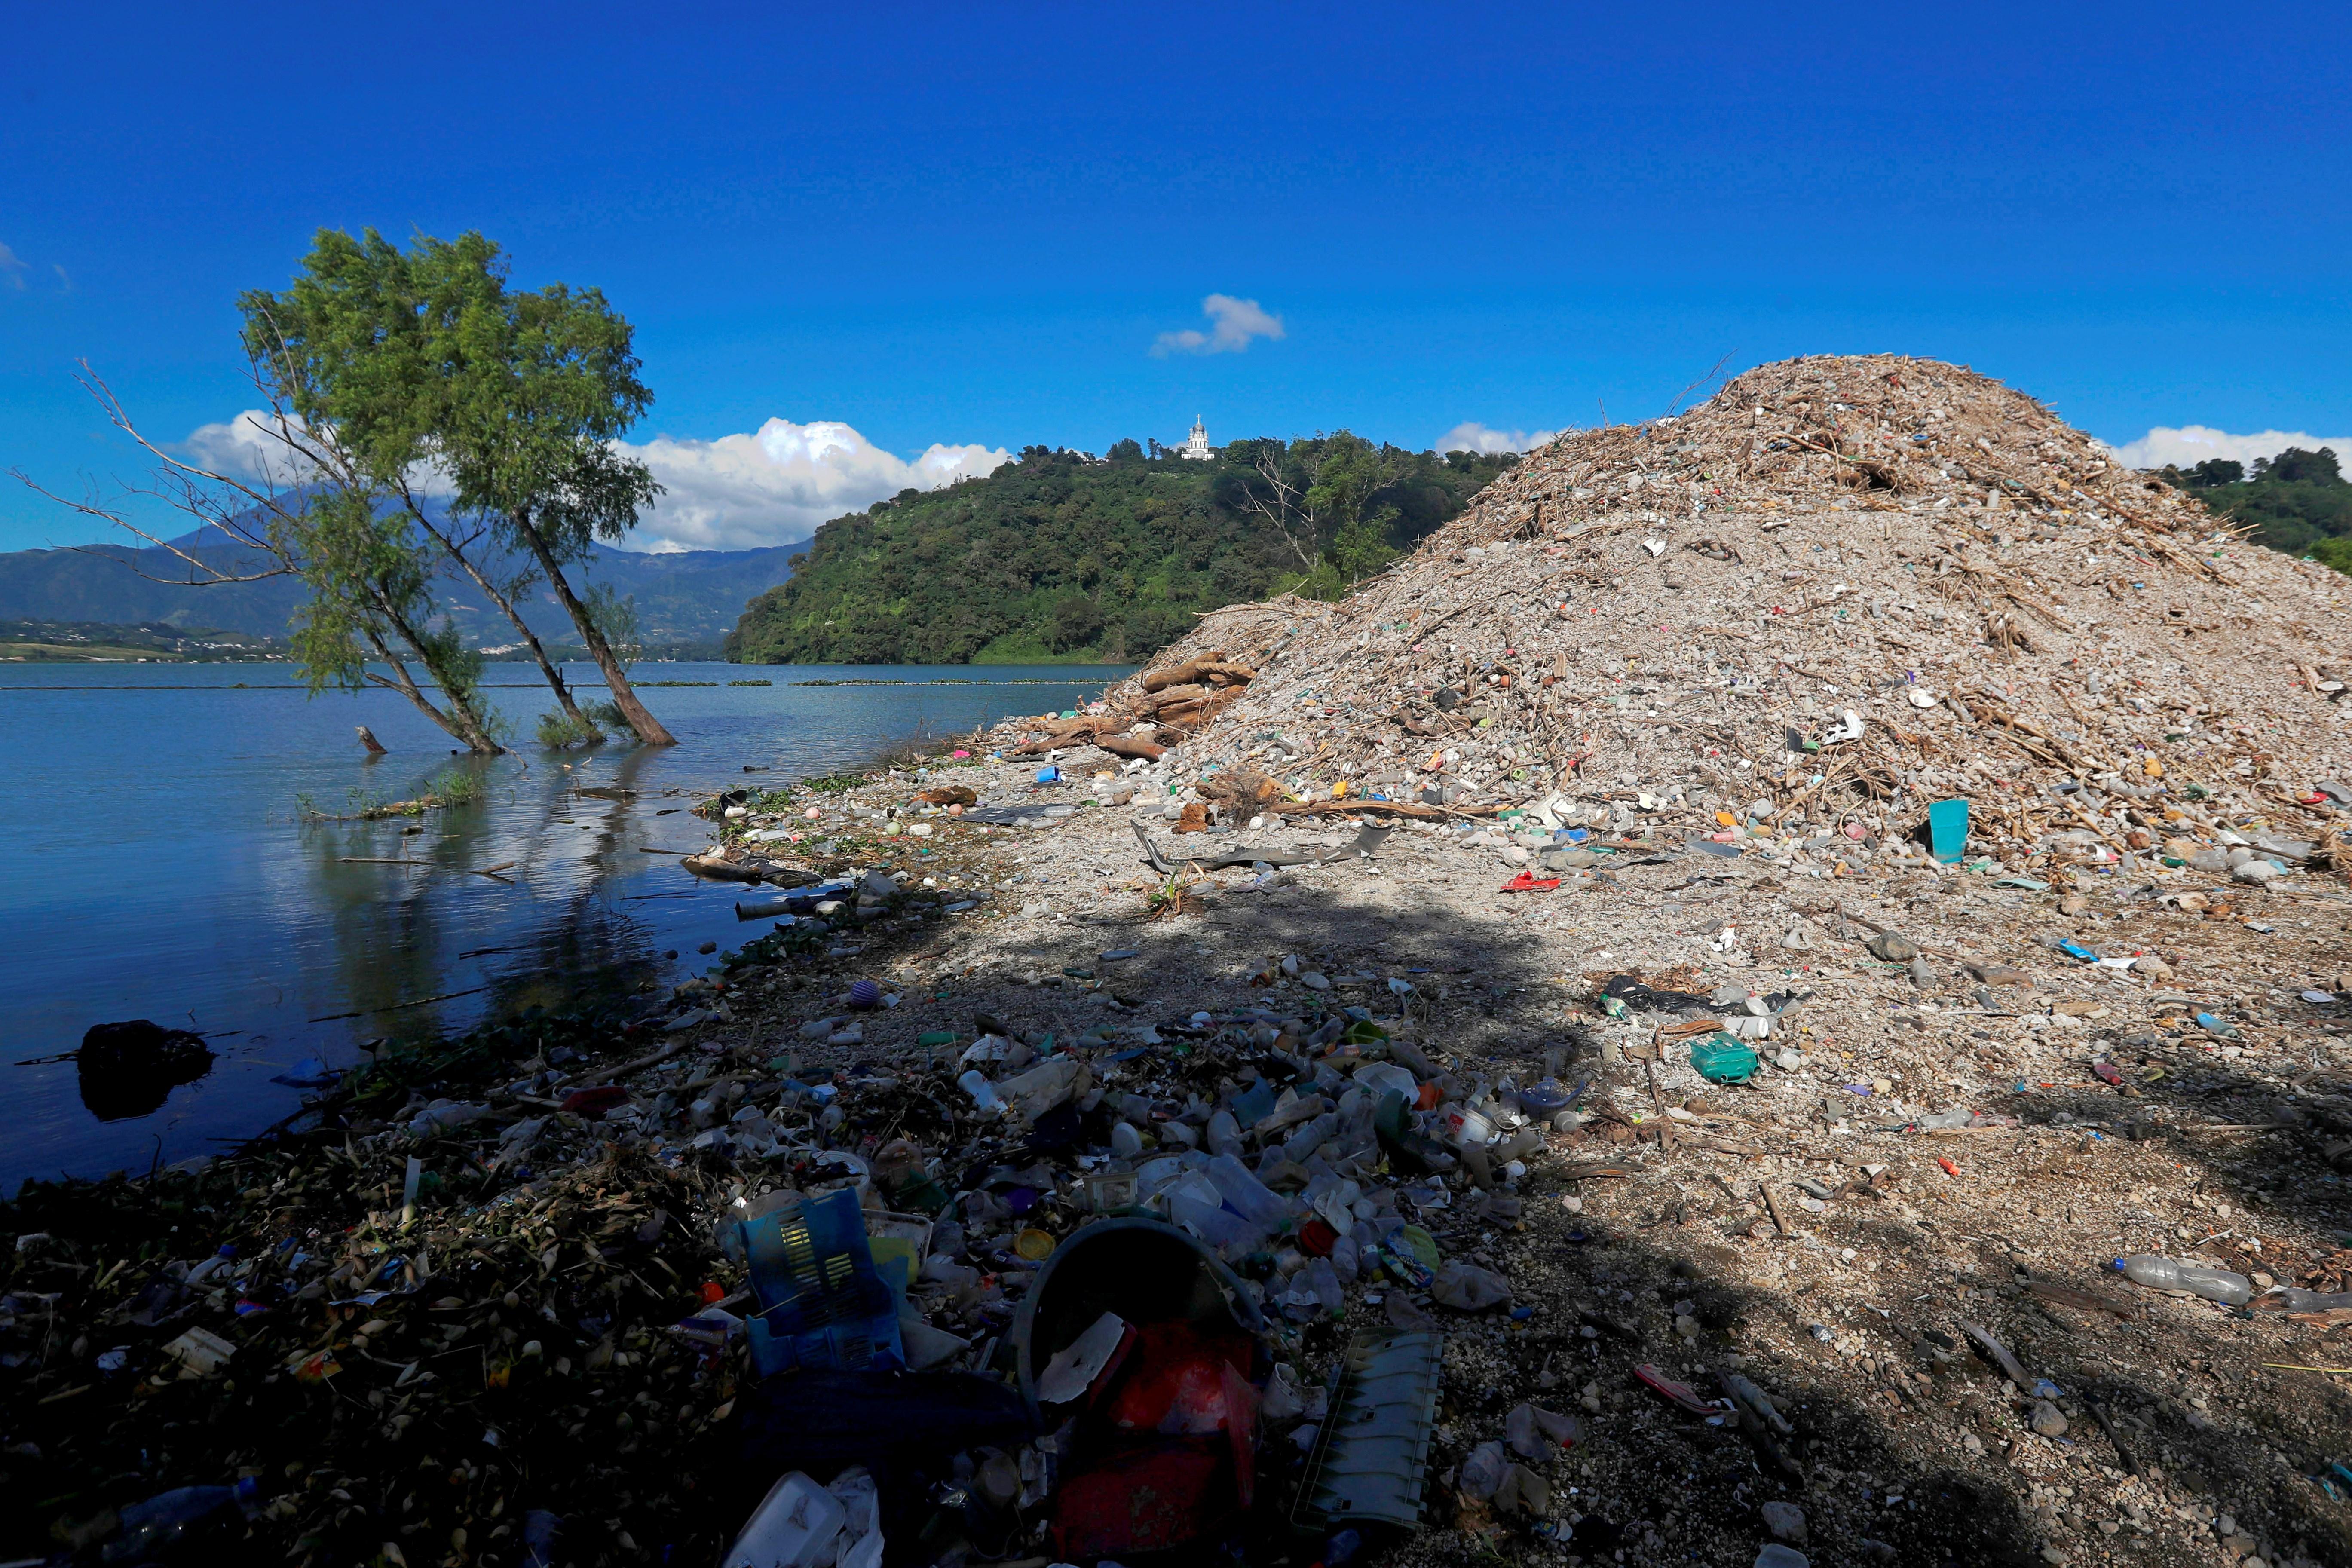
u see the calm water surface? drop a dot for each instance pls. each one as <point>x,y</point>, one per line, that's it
<point>155,863</point>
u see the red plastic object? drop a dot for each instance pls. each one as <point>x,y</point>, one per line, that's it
<point>593,1103</point>
<point>1950,1169</point>
<point>1178,1386</point>
<point>712,1293</point>
<point>1523,883</point>
<point>1149,1500</point>
<point>2106,1073</point>
<point>1316,1238</point>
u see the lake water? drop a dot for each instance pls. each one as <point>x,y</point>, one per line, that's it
<point>155,863</point>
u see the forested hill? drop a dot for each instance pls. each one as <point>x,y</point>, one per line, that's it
<point>2298,501</point>
<point>1061,556</point>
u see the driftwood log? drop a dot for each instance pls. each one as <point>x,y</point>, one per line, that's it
<point>1211,670</point>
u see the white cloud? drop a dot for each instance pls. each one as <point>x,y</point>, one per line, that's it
<point>2193,443</point>
<point>738,492</point>
<point>1472,436</point>
<point>246,447</point>
<point>775,486</point>
<point>11,267</point>
<point>1232,323</point>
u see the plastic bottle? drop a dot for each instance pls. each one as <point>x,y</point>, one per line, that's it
<point>2294,1299</point>
<point>983,1093</point>
<point>1224,1134</point>
<point>1213,1222</point>
<point>1312,1134</point>
<point>1245,1195</point>
<point>2171,1274</point>
<point>1527,1141</point>
<point>164,1525</point>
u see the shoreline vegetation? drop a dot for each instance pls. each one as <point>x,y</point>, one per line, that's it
<point>1064,556</point>
<point>450,788</point>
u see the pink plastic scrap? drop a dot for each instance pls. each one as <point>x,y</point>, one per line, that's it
<point>1681,1394</point>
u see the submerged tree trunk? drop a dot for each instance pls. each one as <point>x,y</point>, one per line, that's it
<point>648,729</point>
<point>554,677</point>
<point>460,721</point>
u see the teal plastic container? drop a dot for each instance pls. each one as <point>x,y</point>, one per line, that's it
<point>1947,830</point>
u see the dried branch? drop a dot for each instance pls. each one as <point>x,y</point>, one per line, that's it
<point>1288,501</point>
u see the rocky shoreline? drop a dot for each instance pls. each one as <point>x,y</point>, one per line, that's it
<point>421,1388</point>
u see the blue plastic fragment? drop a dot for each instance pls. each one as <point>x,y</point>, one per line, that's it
<point>2073,949</point>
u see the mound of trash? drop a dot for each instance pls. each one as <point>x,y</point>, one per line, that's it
<point>1842,586</point>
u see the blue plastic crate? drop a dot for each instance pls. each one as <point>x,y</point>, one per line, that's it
<point>823,1303</point>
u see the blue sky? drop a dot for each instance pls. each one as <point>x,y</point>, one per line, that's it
<point>969,228</point>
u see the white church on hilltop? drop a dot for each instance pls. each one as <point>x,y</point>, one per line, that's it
<point>1197,445</point>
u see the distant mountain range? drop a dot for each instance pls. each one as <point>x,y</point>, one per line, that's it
<point>687,602</point>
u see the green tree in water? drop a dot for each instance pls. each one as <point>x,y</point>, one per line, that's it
<point>371,597</point>
<point>426,363</point>
<point>313,512</point>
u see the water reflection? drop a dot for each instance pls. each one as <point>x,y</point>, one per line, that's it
<point>281,939</point>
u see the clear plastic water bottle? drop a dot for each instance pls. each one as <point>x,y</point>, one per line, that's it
<point>1246,1196</point>
<point>1224,1134</point>
<point>2294,1299</point>
<point>183,1519</point>
<point>1213,1222</point>
<point>2172,1274</point>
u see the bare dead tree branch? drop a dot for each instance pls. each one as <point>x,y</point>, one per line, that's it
<point>1287,501</point>
<point>1712,374</point>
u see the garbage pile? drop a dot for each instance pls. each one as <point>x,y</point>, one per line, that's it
<point>1208,1263</point>
<point>1840,589</point>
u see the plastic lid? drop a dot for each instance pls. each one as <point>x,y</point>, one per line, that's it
<point>2119,1262</point>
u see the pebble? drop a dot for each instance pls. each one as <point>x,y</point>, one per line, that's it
<point>1786,1520</point>
<point>2048,1419</point>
